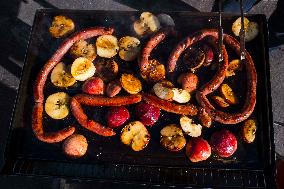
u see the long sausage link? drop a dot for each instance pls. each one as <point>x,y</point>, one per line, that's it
<point>92,100</point>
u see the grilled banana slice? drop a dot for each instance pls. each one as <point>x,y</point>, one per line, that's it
<point>82,49</point>
<point>135,135</point>
<point>172,138</point>
<point>57,105</point>
<point>82,69</point>
<point>130,83</point>
<point>151,21</point>
<point>181,95</point>
<point>107,46</point>
<point>189,127</point>
<point>106,69</point>
<point>60,76</point>
<point>61,26</point>
<point>129,48</point>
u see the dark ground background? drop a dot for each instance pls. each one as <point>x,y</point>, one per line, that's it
<point>16,18</point>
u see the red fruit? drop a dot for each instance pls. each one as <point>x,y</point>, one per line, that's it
<point>117,116</point>
<point>224,143</point>
<point>94,85</point>
<point>209,55</point>
<point>198,149</point>
<point>147,113</point>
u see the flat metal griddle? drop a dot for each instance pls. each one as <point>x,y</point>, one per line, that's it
<point>253,165</point>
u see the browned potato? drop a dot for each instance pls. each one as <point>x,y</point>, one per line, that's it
<point>220,101</point>
<point>155,72</point>
<point>82,49</point>
<point>61,26</point>
<point>228,94</point>
<point>172,138</point>
<point>106,69</point>
<point>75,146</point>
<point>249,130</point>
<point>135,135</point>
<point>113,88</point>
<point>130,83</point>
<point>233,66</point>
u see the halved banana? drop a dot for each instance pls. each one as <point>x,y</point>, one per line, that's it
<point>129,48</point>
<point>151,21</point>
<point>190,128</point>
<point>61,26</point>
<point>57,105</point>
<point>135,135</point>
<point>82,69</point>
<point>60,76</point>
<point>181,95</point>
<point>172,138</point>
<point>82,49</point>
<point>107,46</point>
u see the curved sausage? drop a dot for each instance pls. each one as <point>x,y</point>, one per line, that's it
<point>92,100</point>
<point>50,137</point>
<point>91,125</point>
<point>60,52</point>
<point>170,106</point>
<point>246,111</point>
<point>150,45</point>
<point>42,77</point>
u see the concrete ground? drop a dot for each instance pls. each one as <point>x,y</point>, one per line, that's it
<point>16,18</point>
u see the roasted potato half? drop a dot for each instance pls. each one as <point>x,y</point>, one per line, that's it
<point>172,138</point>
<point>61,26</point>
<point>249,130</point>
<point>135,135</point>
<point>228,94</point>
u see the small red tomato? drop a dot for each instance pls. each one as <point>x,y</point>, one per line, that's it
<point>94,85</point>
<point>147,113</point>
<point>117,116</point>
<point>224,143</point>
<point>198,149</point>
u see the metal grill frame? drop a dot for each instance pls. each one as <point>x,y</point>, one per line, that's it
<point>195,177</point>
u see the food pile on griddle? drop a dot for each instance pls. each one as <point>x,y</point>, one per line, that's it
<point>104,84</point>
